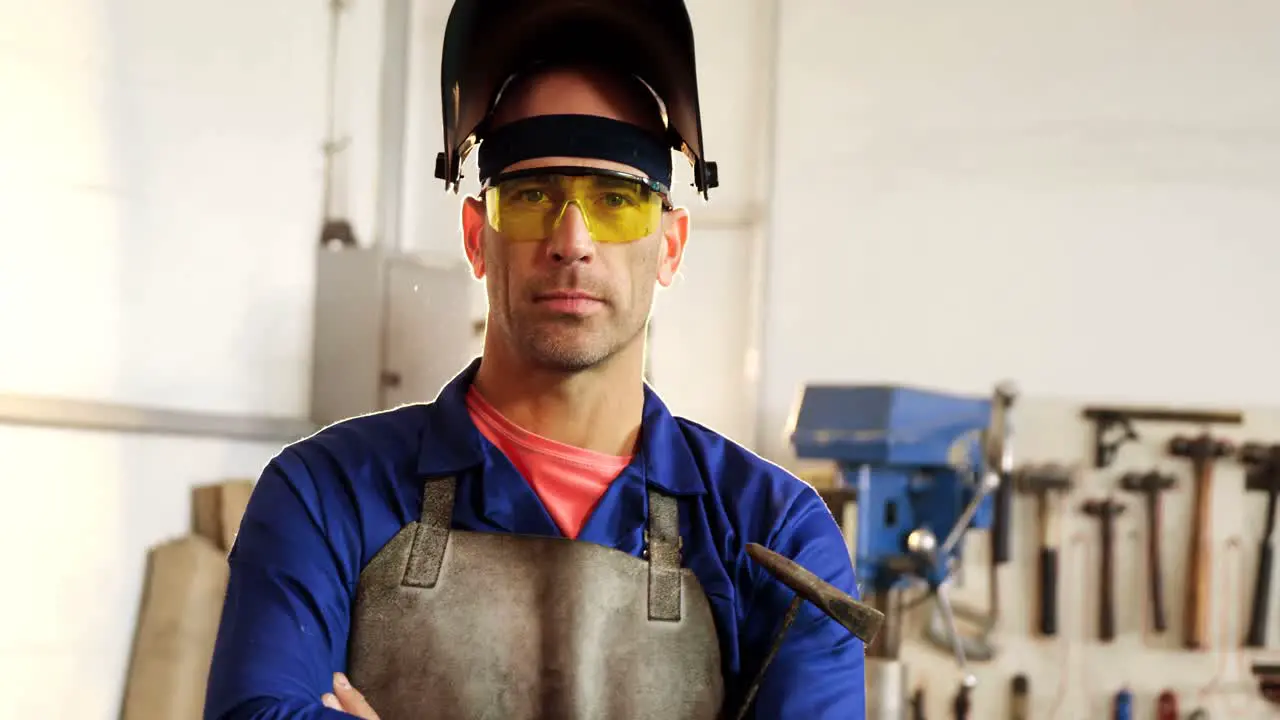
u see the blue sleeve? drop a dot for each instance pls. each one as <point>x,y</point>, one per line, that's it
<point>818,672</point>
<point>286,615</point>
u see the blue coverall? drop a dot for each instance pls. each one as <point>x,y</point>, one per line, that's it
<point>325,505</point>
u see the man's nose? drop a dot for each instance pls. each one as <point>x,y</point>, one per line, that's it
<point>570,241</point>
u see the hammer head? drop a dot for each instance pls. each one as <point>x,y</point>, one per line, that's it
<point>1263,463</point>
<point>860,619</point>
<point>1202,447</point>
<point>1263,479</point>
<point>1103,508</point>
<point>1043,479</point>
<point>1148,482</point>
<point>1256,454</point>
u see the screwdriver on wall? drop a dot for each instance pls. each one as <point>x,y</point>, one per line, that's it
<point>1167,706</point>
<point>917,704</point>
<point>961,703</point>
<point>1020,701</point>
<point>1123,705</point>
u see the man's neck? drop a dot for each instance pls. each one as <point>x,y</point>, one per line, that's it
<point>597,409</point>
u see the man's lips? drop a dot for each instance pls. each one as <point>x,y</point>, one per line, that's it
<point>565,295</point>
<point>569,301</point>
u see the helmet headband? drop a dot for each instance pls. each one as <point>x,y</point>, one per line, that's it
<point>575,136</point>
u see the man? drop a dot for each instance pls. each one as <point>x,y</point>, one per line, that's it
<point>544,540</point>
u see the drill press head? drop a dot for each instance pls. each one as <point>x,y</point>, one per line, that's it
<point>916,459</point>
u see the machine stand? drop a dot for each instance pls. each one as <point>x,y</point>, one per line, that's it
<point>886,689</point>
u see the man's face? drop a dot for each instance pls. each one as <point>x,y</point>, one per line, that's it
<point>567,303</point>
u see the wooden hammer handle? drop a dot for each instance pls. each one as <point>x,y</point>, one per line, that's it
<point>1155,521</point>
<point>1195,612</point>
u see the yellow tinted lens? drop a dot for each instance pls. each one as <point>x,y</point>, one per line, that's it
<point>616,210</point>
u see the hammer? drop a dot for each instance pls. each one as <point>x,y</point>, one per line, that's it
<point>1263,462</point>
<point>1202,451</point>
<point>1043,481</point>
<point>860,619</point>
<point>1106,510</point>
<point>1150,485</point>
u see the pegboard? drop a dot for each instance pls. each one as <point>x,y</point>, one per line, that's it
<point>1074,675</point>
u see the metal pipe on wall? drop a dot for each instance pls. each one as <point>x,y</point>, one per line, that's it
<point>765,230</point>
<point>397,26</point>
<point>64,413</point>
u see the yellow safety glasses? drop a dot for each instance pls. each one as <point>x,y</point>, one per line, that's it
<point>527,205</point>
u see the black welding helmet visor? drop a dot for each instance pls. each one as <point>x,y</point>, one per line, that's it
<point>486,42</point>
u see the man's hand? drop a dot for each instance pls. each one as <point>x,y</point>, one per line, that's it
<point>347,699</point>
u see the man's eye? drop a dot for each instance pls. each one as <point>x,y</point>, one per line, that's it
<point>616,200</point>
<point>532,196</point>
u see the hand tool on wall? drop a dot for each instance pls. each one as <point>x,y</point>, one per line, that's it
<point>1020,699</point>
<point>1122,705</point>
<point>1150,485</point>
<point>1268,676</point>
<point>1203,451</point>
<point>1113,425</point>
<point>1106,510</point>
<point>963,701</point>
<point>1263,466</point>
<point>998,458</point>
<point>1046,482</point>
<point>1167,706</point>
<point>917,704</point>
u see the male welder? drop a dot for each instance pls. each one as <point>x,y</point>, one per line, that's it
<point>544,539</point>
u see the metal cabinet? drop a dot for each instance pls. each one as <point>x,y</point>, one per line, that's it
<point>390,329</point>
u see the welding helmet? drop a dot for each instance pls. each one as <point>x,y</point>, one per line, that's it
<point>487,42</point>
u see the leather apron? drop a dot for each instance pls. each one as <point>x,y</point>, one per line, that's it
<point>456,625</point>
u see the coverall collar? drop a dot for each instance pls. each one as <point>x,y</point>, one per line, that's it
<point>451,444</point>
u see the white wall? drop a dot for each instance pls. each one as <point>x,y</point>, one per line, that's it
<point>1078,195</point>
<point>160,184</point>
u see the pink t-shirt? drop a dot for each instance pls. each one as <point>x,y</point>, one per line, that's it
<point>568,480</point>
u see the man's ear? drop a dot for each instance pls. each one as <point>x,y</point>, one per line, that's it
<point>473,225</point>
<point>675,233</point>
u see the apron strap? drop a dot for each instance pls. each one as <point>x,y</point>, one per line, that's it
<point>429,540</point>
<point>662,546</point>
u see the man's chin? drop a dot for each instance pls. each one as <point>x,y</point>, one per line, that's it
<point>564,355</point>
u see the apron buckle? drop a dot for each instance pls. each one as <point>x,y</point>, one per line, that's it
<point>644,550</point>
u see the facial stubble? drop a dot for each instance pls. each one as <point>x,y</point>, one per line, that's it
<point>570,343</point>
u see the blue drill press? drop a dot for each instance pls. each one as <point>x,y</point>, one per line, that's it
<point>922,468</point>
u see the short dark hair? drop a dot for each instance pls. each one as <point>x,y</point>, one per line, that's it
<point>637,93</point>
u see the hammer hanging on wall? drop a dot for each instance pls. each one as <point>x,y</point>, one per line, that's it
<point>1106,510</point>
<point>1150,485</point>
<point>1044,482</point>
<point>1203,451</point>
<point>1263,463</point>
